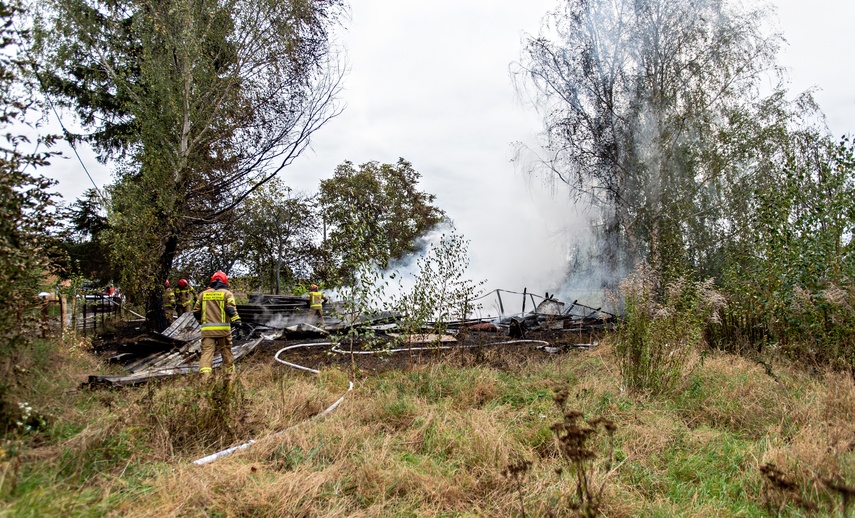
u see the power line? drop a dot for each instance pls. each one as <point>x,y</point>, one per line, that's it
<point>65,131</point>
<point>70,141</point>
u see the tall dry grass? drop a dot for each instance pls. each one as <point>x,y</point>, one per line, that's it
<point>439,439</point>
<point>662,327</point>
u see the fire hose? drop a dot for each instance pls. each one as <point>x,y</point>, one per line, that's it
<point>220,454</point>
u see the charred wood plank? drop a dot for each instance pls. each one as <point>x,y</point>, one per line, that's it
<point>148,374</point>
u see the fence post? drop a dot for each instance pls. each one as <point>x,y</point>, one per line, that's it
<point>44,322</point>
<point>63,312</point>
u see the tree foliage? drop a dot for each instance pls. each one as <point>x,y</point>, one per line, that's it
<point>84,238</point>
<point>791,278</point>
<point>373,211</point>
<point>645,106</point>
<point>205,101</point>
<point>26,203</point>
<point>218,248</point>
<point>278,231</point>
<point>659,113</point>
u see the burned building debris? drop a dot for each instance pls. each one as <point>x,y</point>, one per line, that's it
<point>175,351</point>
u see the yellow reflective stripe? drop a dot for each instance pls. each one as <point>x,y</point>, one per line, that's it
<point>206,369</point>
<point>234,318</point>
<point>219,297</point>
<point>217,326</point>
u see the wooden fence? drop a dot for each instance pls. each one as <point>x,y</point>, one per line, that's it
<point>83,312</point>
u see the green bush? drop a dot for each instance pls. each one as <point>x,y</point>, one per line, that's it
<point>26,210</point>
<point>661,326</point>
<point>791,282</point>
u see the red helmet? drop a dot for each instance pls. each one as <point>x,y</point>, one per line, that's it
<point>220,276</point>
<point>314,287</point>
<point>166,283</point>
<point>182,283</point>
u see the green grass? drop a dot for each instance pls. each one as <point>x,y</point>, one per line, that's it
<point>430,441</point>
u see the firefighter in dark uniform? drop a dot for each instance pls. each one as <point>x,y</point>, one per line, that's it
<point>215,310</point>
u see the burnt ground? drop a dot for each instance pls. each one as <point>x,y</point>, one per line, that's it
<point>474,349</point>
<point>129,340</point>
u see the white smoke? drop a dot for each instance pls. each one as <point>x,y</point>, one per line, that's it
<point>281,321</point>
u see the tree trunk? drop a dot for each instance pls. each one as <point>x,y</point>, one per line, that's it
<point>278,270</point>
<point>155,314</point>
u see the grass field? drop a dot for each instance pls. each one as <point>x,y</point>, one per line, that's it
<point>446,438</point>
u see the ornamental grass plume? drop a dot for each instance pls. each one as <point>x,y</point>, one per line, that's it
<point>661,326</point>
<point>712,300</point>
<point>802,300</point>
<point>836,296</point>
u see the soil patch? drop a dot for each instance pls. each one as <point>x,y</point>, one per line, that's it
<point>493,349</point>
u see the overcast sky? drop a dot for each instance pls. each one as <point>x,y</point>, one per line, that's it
<point>429,81</point>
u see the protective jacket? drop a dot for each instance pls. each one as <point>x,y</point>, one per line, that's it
<point>316,299</point>
<point>185,297</point>
<point>215,310</point>
<point>168,299</point>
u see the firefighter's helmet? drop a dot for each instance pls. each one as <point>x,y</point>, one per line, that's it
<point>166,283</point>
<point>314,287</point>
<point>220,276</point>
<point>182,283</point>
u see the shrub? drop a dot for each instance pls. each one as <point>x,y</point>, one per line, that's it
<point>192,417</point>
<point>440,293</point>
<point>26,206</point>
<point>661,326</point>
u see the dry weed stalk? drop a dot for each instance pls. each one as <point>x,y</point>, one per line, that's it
<point>517,473</point>
<point>574,437</point>
<point>779,489</point>
<point>847,494</point>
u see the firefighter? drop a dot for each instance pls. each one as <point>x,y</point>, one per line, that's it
<point>168,302</point>
<point>215,310</point>
<point>186,296</point>
<point>316,305</point>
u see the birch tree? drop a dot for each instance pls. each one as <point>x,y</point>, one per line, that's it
<point>647,107</point>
